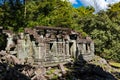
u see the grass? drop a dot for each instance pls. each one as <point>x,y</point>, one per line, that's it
<point>114,64</point>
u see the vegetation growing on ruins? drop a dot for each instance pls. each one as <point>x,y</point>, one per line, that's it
<point>103,27</point>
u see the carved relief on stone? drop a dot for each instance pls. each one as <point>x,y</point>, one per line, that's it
<point>10,42</point>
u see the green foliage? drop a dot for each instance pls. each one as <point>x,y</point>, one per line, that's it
<point>56,13</point>
<point>105,31</point>
<point>114,64</point>
<point>12,16</point>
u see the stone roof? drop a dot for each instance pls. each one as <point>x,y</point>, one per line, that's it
<point>84,41</point>
<point>52,28</point>
<point>8,31</point>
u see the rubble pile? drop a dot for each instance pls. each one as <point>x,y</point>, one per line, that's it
<point>11,68</point>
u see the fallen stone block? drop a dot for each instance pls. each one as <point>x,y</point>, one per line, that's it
<point>62,68</point>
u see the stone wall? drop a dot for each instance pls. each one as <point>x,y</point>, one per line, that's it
<point>48,45</point>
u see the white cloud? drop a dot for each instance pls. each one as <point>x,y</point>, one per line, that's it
<point>98,4</point>
<point>73,1</point>
<point>112,1</point>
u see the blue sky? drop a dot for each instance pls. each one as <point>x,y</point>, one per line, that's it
<point>78,4</point>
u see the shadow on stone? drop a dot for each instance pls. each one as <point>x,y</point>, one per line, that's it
<point>82,70</point>
<point>8,72</point>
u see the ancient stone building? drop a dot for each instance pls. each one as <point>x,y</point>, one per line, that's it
<point>48,45</point>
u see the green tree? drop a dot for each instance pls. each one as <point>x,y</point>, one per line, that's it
<point>13,14</point>
<point>49,13</point>
<point>105,34</point>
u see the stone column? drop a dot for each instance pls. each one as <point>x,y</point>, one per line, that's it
<point>64,48</point>
<point>84,48</point>
<point>35,50</point>
<point>92,48</point>
<point>29,49</point>
<point>21,49</point>
<point>54,49</point>
<point>74,48</point>
<point>80,48</point>
<point>41,50</point>
<point>9,41</point>
<point>67,48</point>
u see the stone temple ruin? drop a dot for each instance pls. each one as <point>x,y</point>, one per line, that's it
<point>48,45</point>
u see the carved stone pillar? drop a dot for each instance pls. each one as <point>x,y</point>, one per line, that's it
<point>92,48</point>
<point>9,42</point>
<point>73,48</point>
<point>21,54</point>
<point>54,48</point>
<point>42,51</point>
<point>35,50</point>
<point>28,46</point>
<point>84,48</point>
<point>67,49</point>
